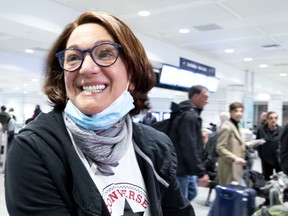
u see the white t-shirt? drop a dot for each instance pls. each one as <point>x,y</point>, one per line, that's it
<point>125,190</point>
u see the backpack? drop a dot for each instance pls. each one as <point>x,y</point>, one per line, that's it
<point>254,179</point>
<point>276,210</point>
<point>165,125</point>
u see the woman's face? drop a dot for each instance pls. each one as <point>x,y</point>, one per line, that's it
<point>237,114</point>
<point>272,120</point>
<point>110,81</point>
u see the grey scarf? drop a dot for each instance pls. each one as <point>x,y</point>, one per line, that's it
<point>106,148</point>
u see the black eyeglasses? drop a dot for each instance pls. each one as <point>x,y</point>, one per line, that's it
<point>103,54</point>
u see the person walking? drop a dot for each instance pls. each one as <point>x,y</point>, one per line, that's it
<point>4,118</point>
<point>186,135</point>
<point>149,118</point>
<point>11,125</point>
<point>231,148</point>
<point>271,132</point>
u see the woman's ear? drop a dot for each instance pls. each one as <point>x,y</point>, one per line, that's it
<point>131,87</point>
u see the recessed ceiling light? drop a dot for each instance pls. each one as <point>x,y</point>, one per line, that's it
<point>248,59</point>
<point>229,50</point>
<point>263,97</point>
<point>144,13</point>
<point>263,65</point>
<point>283,74</point>
<point>184,31</point>
<point>29,50</point>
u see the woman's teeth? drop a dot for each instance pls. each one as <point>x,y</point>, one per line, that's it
<point>95,88</point>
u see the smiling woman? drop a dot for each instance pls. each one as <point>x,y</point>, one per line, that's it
<point>87,149</point>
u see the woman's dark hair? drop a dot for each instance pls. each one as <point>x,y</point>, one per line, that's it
<point>132,52</point>
<point>235,105</point>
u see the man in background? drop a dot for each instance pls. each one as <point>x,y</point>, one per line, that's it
<point>186,136</point>
<point>11,125</point>
<point>269,151</point>
<point>4,118</point>
<point>149,119</point>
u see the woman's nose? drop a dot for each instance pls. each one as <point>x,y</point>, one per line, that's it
<point>88,65</point>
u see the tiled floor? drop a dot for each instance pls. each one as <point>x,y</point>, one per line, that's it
<point>198,202</point>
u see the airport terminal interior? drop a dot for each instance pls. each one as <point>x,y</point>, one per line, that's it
<point>238,49</point>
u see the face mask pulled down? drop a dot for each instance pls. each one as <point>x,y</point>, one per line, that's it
<point>105,119</point>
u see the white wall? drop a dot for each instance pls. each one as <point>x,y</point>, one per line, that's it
<point>24,105</point>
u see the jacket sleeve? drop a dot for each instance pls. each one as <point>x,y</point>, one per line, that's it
<point>284,151</point>
<point>29,189</point>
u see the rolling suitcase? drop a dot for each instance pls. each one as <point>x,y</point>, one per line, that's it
<point>234,200</point>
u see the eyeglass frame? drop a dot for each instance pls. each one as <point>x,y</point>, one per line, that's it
<point>60,55</point>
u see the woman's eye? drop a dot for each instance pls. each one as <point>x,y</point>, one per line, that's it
<point>73,58</point>
<point>105,54</point>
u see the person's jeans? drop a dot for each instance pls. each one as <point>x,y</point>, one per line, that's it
<point>183,182</point>
<point>192,187</point>
<point>188,186</point>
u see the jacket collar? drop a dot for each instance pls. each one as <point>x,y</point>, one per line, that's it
<point>236,131</point>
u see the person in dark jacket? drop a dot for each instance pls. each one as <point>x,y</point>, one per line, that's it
<point>186,136</point>
<point>86,156</point>
<point>4,118</point>
<point>269,151</point>
<point>284,150</point>
<point>37,111</point>
<point>149,119</point>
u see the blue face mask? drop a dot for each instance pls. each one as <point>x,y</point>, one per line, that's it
<point>105,119</point>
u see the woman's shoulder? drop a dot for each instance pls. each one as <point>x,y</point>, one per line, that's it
<point>152,140</point>
<point>157,146</point>
<point>46,125</point>
<point>226,126</point>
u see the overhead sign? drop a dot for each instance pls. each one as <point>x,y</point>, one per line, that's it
<point>196,67</point>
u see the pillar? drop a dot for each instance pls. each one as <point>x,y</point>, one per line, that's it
<point>234,93</point>
<point>276,104</point>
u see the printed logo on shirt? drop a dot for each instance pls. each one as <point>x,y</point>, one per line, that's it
<point>124,199</point>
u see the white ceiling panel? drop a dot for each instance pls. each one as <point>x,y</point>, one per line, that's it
<point>244,25</point>
<point>253,8</point>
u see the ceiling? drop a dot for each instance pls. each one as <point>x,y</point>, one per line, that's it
<point>256,29</point>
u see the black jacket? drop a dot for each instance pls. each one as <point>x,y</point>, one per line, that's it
<point>186,136</point>
<point>269,151</point>
<point>284,150</point>
<point>45,176</point>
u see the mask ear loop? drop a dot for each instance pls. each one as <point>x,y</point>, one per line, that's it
<point>127,86</point>
<point>128,83</point>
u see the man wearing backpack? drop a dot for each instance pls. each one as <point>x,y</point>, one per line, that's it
<point>186,135</point>
<point>4,118</point>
